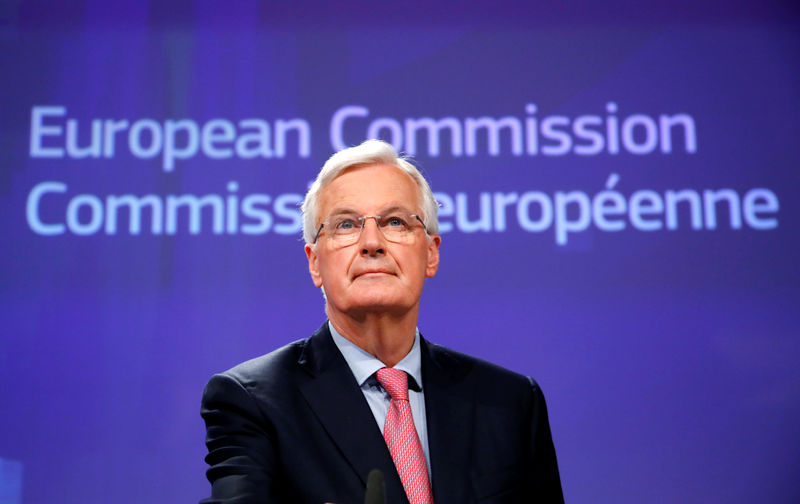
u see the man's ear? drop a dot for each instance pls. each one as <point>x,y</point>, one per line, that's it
<point>433,256</point>
<point>313,267</point>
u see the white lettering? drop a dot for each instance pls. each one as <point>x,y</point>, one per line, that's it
<point>39,130</point>
<point>32,208</point>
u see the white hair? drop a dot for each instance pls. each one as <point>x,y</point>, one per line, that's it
<point>369,152</point>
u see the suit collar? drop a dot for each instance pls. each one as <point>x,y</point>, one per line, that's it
<point>363,364</point>
<point>334,396</point>
<point>450,407</point>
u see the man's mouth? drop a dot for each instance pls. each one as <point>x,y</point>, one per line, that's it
<point>373,273</point>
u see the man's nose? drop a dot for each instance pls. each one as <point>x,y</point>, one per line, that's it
<point>371,241</point>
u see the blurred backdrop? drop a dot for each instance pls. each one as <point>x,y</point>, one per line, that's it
<point>619,216</point>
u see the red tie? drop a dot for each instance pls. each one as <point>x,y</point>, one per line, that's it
<point>402,440</point>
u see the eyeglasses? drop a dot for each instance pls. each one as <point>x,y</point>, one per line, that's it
<point>397,227</point>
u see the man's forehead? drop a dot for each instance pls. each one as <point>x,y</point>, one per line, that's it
<point>389,207</point>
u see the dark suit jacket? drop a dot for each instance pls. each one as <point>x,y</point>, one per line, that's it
<point>294,427</point>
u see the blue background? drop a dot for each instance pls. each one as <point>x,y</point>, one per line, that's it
<point>669,358</point>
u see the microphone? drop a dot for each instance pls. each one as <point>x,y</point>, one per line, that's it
<point>376,488</point>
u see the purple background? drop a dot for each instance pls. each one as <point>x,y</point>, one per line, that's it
<point>669,358</point>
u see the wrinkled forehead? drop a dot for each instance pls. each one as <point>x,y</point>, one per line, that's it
<point>369,189</point>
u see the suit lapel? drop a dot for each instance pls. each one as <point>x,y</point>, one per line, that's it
<point>334,396</point>
<point>450,409</point>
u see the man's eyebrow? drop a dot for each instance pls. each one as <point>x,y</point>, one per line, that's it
<point>394,208</point>
<point>343,211</point>
<point>350,211</point>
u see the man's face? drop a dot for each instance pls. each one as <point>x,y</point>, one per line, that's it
<point>372,274</point>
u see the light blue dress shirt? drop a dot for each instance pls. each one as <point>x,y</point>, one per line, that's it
<point>365,365</point>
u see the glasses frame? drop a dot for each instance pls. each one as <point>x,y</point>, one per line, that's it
<point>363,221</point>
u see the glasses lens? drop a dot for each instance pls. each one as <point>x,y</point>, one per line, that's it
<point>345,228</point>
<point>396,227</point>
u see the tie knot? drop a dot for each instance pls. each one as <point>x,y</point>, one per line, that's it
<point>394,381</point>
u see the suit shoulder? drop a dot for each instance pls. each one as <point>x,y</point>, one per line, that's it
<point>464,366</point>
<point>275,364</point>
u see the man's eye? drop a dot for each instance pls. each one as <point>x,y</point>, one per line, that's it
<point>346,224</point>
<point>395,221</point>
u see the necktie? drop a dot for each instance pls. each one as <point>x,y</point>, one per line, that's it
<point>402,440</point>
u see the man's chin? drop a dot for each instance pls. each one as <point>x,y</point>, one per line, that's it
<point>377,302</point>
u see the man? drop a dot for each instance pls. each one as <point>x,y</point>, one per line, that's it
<point>308,422</point>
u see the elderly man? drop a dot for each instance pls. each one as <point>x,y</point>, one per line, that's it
<point>308,422</point>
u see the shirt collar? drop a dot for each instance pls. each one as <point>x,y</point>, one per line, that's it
<point>363,364</point>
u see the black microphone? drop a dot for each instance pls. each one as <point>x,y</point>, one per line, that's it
<point>376,488</point>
